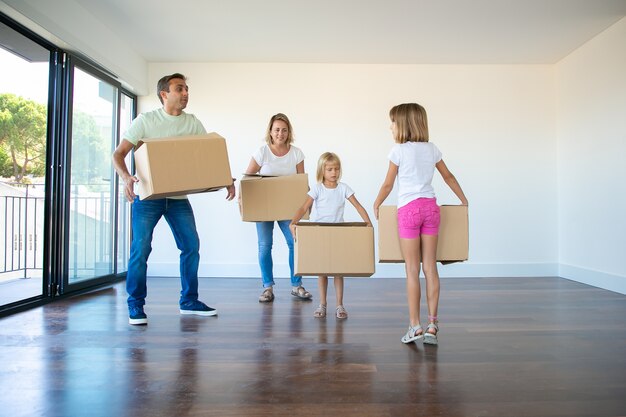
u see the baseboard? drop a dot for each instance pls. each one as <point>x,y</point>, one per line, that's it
<point>457,270</point>
<point>469,270</point>
<point>598,279</point>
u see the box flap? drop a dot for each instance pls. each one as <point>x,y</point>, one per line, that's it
<point>211,135</point>
<point>258,175</point>
<point>343,224</point>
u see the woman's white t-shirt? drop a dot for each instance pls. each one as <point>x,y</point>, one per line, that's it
<point>416,166</point>
<point>329,203</point>
<point>278,165</point>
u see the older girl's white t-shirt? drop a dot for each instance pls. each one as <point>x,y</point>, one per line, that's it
<point>278,165</point>
<point>416,166</point>
<point>329,203</point>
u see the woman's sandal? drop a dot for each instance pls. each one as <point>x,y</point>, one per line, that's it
<point>301,293</point>
<point>267,296</point>
<point>341,313</point>
<point>413,334</point>
<point>320,311</point>
<point>430,338</point>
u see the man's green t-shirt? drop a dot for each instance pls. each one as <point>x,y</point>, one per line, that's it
<point>159,124</point>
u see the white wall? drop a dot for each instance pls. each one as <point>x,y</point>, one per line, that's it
<point>494,124</point>
<point>539,150</point>
<point>592,161</point>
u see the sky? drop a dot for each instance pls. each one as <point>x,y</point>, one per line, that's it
<point>30,80</point>
<point>23,78</point>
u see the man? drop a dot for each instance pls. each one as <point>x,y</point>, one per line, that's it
<point>170,120</point>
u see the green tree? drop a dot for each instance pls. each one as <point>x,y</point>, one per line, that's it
<point>90,154</point>
<point>6,167</point>
<point>23,134</point>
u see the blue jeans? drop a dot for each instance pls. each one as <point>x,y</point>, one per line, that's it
<point>179,216</point>
<point>265,232</point>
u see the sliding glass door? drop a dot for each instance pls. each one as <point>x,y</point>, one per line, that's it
<point>23,130</point>
<point>91,186</point>
<point>65,225</point>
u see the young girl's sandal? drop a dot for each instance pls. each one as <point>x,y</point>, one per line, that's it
<point>430,338</point>
<point>320,311</point>
<point>341,313</point>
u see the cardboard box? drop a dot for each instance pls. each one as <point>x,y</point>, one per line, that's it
<point>264,198</point>
<point>453,243</point>
<point>334,249</point>
<point>173,166</point>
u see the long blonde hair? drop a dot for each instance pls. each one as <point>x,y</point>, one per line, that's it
<point>326,158</point>
<point>411,122</point>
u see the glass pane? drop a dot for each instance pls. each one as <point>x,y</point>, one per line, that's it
<point>123,220</point>
<point>23,131</point>
<point>91,211</point>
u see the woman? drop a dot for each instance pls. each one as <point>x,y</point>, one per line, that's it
<point>278,157</point>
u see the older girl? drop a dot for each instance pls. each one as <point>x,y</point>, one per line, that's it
<point>413,161</point>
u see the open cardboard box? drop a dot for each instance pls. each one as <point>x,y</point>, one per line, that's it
<point>265,198</point>
<point>334,249</point>
<point>452,245</point>
<point>180,165</point>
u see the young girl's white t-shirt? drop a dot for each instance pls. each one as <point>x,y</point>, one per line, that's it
<point>278,165</point>
<point>328,203</point>
<point>416,166</point>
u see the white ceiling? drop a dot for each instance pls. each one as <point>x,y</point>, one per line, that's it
<point>357,31</point>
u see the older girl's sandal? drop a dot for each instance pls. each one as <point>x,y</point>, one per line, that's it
<point>431,338</point>
<point>413,334</point>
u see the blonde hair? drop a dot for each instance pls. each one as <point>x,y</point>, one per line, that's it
<point>327,158</point>
<point>411,123</point>
<point>281,117</point>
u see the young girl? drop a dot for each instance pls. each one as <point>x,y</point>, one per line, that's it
<point>329,196</point>
<point>413,161</point>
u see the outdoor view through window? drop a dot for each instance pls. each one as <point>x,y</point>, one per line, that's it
<point>90,232</point>
<point>23,129</point>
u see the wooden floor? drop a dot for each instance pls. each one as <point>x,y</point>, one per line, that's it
<point>508,347</point>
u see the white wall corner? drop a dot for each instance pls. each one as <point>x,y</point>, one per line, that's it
<point>598,279</point>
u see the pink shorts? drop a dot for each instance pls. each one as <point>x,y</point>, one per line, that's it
<point>420,216</point>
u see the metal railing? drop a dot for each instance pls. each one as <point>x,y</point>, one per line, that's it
<point>22,232</point>
<point>91,235</point>
<point>90,239</point>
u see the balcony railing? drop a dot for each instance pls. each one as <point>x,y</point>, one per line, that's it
<point>91,246</point>
<point>21,232</point>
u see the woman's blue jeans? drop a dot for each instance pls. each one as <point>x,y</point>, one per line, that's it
<point>265,232</point>
<point>179,216</point>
